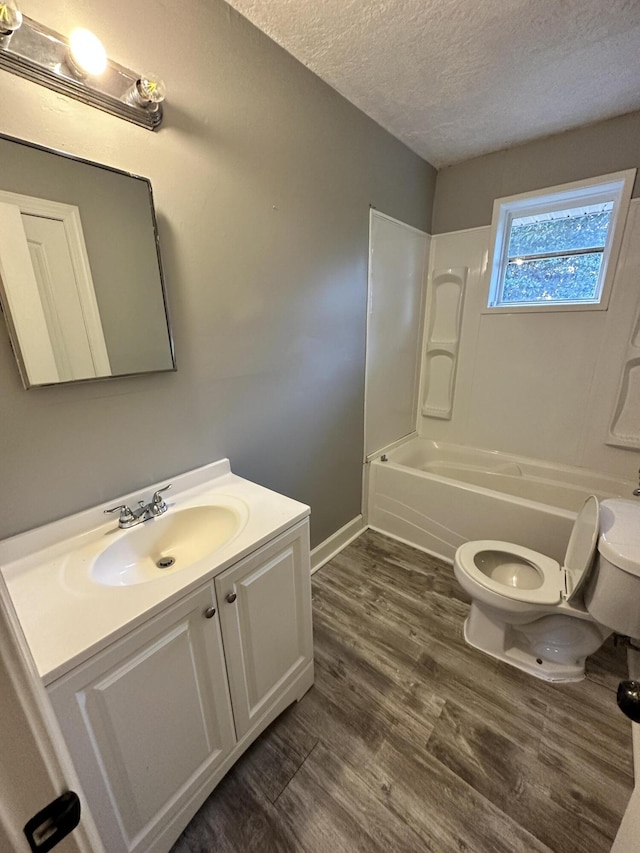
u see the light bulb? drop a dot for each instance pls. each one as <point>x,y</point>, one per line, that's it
<point>10,17</point>
<point>152,88</point>
<point>148,91</point>
<point>87,53</point>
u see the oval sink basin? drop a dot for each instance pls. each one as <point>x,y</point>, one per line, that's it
<point>162,546</point>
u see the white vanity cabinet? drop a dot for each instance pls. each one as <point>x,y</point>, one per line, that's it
<point>154,720</point>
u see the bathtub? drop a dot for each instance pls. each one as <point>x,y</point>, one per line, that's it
<point>438,496</point>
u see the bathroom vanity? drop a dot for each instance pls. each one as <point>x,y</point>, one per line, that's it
<point>168,647</point>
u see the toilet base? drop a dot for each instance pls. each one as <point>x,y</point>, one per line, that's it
<point>501,641</point>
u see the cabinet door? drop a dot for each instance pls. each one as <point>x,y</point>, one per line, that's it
<point>265,613</point>
<point>148,719</point>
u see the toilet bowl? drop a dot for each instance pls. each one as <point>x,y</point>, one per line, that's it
<point>546,618</point>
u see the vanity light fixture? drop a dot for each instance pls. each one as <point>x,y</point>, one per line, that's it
<point>77,67</point>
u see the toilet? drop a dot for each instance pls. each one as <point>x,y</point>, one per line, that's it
<point>544,618</point>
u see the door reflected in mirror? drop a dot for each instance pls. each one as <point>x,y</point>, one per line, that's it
<point>81,280</point>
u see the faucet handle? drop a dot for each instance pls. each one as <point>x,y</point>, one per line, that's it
<point>157,500</point>
<point>156,495</point>
<point>125,513</point>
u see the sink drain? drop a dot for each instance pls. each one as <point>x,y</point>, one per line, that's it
<point>165,562</point>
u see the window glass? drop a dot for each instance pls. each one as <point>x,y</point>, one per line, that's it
<point>556,256</point>
<point>568,229</point>
<point>570,278</point>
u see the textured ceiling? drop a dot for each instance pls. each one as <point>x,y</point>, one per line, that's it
<point>458,78</point>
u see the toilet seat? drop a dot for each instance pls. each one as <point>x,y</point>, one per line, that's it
<point>552,583</point>
<point>526,575</point>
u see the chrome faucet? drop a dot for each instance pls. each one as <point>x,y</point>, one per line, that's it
<point>130,517</point>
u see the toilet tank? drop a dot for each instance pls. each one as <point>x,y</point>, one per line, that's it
<point>612,594</point>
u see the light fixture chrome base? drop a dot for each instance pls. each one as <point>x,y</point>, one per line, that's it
<point>39,54</point>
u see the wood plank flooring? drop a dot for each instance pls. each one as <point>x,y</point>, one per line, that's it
<point>411,741</point>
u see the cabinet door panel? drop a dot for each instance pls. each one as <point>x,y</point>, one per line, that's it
<point>267,628</point>
<point>155,708</point>
<point>133,714</point>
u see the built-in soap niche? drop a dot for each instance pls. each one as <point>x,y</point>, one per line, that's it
<point>625,424</point>
<point>444,320</point>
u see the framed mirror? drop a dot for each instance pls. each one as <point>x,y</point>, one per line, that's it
<point>81,284</point>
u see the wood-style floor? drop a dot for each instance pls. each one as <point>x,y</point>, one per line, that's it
<point>412,741</point>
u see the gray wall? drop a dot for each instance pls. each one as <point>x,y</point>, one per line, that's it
<point>465,192</point>
<point>262,177</point>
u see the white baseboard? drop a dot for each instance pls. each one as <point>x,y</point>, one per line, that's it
<point>328,549</point>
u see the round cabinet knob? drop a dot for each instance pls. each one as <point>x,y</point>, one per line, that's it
<point>231,597</point>
<point>210,612</point>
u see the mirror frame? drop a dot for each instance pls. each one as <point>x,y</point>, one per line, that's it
<point>13,338</point>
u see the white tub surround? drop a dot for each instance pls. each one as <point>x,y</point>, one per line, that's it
<point>553,385</point>
<point>625,423</point>
<point>395,307</point>
<point>438,496</point>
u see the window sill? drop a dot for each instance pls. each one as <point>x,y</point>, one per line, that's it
<point>542,309</point>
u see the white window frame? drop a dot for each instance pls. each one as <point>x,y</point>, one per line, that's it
<point>615,187</point>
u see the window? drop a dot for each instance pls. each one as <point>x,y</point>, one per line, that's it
<point>557,249</point>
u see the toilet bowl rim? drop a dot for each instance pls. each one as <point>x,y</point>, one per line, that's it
<point>549,593</point>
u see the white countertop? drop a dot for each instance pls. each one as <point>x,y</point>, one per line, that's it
<point>67,617</point>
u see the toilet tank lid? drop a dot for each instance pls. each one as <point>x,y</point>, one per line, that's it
<point>620,534</point>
